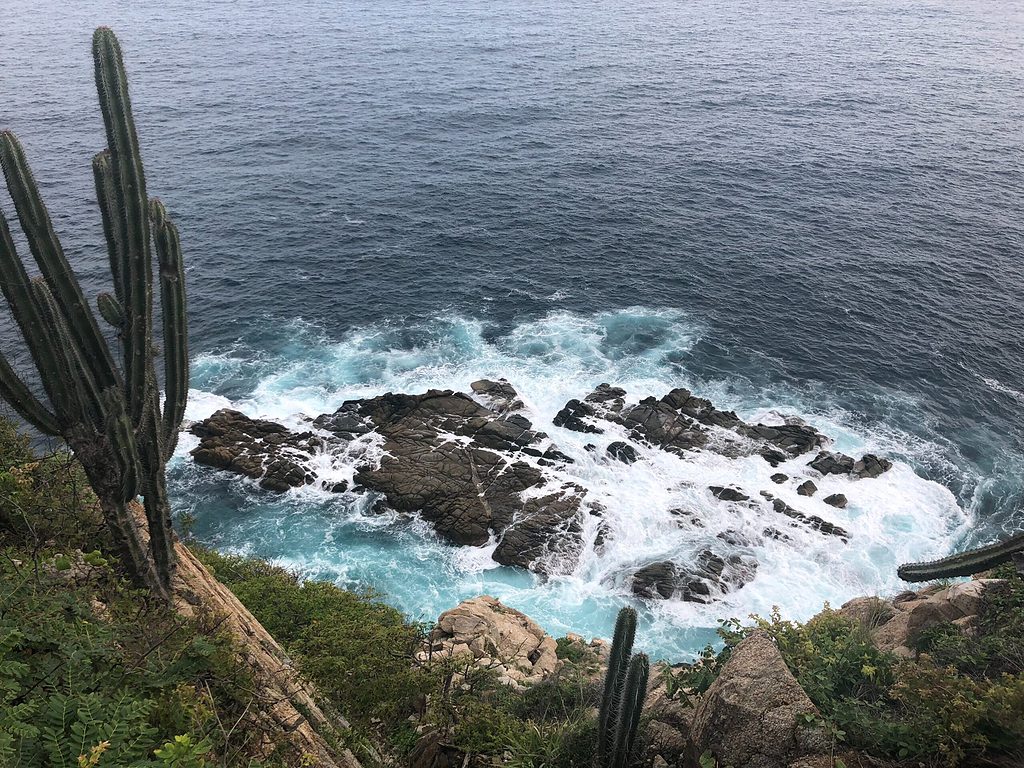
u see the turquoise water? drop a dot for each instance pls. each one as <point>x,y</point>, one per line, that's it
<point>804,208</point>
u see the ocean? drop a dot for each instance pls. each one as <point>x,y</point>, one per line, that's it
<point>802,208</point>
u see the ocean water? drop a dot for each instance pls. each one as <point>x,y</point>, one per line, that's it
<point>808,209</point>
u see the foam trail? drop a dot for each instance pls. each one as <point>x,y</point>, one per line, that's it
<point>897,517</point>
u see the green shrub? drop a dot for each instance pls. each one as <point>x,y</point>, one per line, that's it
<point>356,649</point>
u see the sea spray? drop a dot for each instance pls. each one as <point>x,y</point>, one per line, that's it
<point>897,517</point>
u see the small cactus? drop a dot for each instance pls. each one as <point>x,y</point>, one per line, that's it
<point>625,687</point>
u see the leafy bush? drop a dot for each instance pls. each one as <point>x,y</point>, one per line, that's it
<point>356,649</point>
<point>962,698</point>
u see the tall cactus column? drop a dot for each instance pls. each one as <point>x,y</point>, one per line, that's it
<point>109,414</point>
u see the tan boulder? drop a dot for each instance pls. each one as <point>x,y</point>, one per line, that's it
<point>515,645</point>
<point>753,715</point>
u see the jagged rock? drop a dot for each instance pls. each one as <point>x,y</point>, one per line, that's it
<point>572,417</point>
<point>431,751</point>
<point>911,616</point>
<point>773,456</point>
<point>710,577</point>
<point>263,450</point>
<point>753,714</point>
<point>837,500</point>
<point>871,466</point>
<point>624,452</point>
<point>515,647</point>
<point>807,488</point>
<point>812,521</point>
<point>832,463</point>
<point>779,478</point>
<point>728,494</point>
<point>659,424</point>
<point>613,398</point>
<point>500,395</point>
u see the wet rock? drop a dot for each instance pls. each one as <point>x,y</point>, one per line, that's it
<point>612,398</point>
<point>871,466</point>
<point>263,450</point>
<point>500,395</point>
<point>832,463</point>
<point>836,500</point>
<point>807,488</point>
<point>707,579</point>
<point>623,452</point>
<point>728,493</point>
<point>572,417</point>
<point>658,424</point>
<point>773,456</point>
<point>779,478</point>
<point>811,521</point>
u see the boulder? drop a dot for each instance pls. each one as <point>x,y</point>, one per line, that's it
<point>836,500</point>
<point>807,488</point>
<point>753,714</point>
<point>728,493</point>
<point>710,577</point>
<point>500,396</point>
<point>511,643</point>
<point>832,463</point>
<point>623,452</point>
<point>779,478</point>
<point>871,466</point>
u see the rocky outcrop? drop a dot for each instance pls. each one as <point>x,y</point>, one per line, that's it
<point>897,624</point>
<point>263,450</point>
<point>475,468</point>
<point>490,635</point>
<point>753,714</point>
<point>709,577</point>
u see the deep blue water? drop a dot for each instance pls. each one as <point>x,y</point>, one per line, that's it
<point>814,206</point>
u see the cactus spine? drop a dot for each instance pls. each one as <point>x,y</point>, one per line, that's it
<point>109,415</point>
<point>625,687</point>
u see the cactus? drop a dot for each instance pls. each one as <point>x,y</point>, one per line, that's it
<point>625,687</point>
<point>968,563</point>
<point>109,415</point>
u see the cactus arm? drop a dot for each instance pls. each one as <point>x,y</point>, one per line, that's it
<point>172,302</point>
<point>14,391</point>
<point>964,563</point>
<point>634,690</point>
<point>110,310</point>
<point>122,439</point>
<point>46,248</point>
<point>106,195</point>
<point>81,395</point>
<point>133,220</point>
<point>622,648</point>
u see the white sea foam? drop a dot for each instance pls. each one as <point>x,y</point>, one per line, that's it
<point>894,518</point>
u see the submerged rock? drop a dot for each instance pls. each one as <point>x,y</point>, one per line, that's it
<point>837,500</point>
<point>709,577</point>
<point>624,452</point>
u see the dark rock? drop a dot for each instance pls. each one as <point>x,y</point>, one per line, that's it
<point>624,452</point>
<point>500,395</point>
<point>263,450</point>
<point>773,456</point>
<point>710,577</point>
<point>728,494</point>
<point>779,478</point>
<point>832,463</point>
<point>811,521</point>
<point>657,423</point>
<point>836,500</point>
<point>807,488</point>
<point>613,398</point>
<point>572,417</point>
<point>871,466</point>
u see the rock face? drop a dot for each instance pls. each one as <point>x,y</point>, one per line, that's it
<point>493,636</point>
<point>752,715</point>
<point>896,625</point>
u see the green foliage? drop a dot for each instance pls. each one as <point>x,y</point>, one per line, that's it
<point>341,640</point>
<point>962,698</point>
<point>183,752</point>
